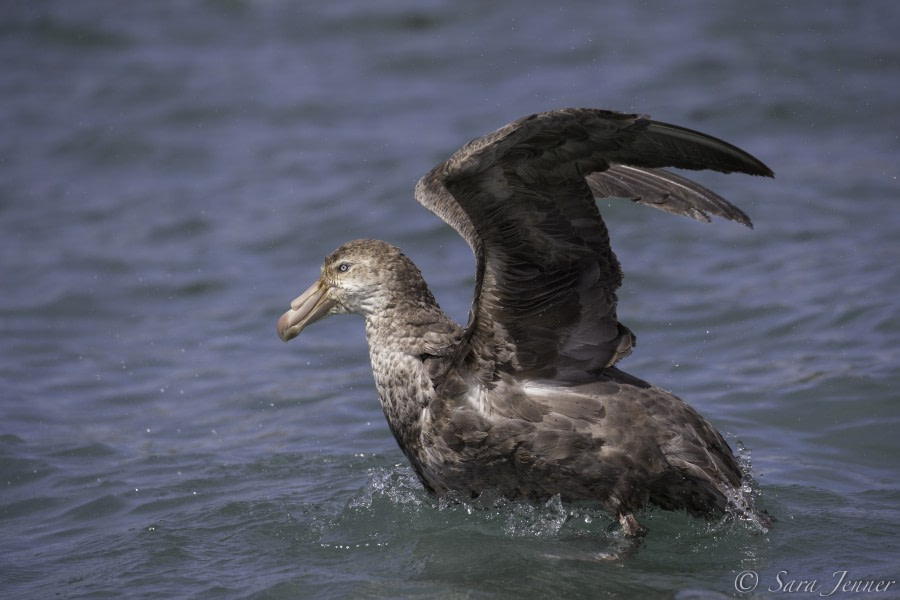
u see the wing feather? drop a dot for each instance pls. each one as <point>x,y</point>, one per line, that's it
<point>664,190</point>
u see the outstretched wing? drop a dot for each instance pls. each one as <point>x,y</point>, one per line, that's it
<point>545,303</point>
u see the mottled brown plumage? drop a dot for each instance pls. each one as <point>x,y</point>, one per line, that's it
<point>526,398</point>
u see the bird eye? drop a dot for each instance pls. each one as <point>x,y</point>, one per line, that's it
<point>344,267</point>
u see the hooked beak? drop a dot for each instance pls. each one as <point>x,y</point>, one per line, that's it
<point>308,307</point>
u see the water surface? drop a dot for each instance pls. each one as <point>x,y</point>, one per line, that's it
<point>171,175</point>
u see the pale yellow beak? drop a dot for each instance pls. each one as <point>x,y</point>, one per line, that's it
<point>308,307</point>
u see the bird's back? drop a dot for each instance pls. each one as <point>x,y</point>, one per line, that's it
<point>618,441</point>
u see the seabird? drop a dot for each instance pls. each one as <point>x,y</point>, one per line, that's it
<point>526,398</point>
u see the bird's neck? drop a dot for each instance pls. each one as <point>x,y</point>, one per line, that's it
<point>401,338</point>
<point>409,327</point>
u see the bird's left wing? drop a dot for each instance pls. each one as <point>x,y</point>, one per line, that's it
<point>545,303</point>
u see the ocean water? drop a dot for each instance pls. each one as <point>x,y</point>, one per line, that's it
<point>172,174</point>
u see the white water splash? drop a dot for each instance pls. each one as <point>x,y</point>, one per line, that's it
<point>398,484</point>
<point>742,501</point>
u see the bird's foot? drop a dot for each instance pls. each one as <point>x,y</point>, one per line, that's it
<point>631,527</point>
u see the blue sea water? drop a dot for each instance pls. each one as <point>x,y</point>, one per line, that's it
<point>172,174</point>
